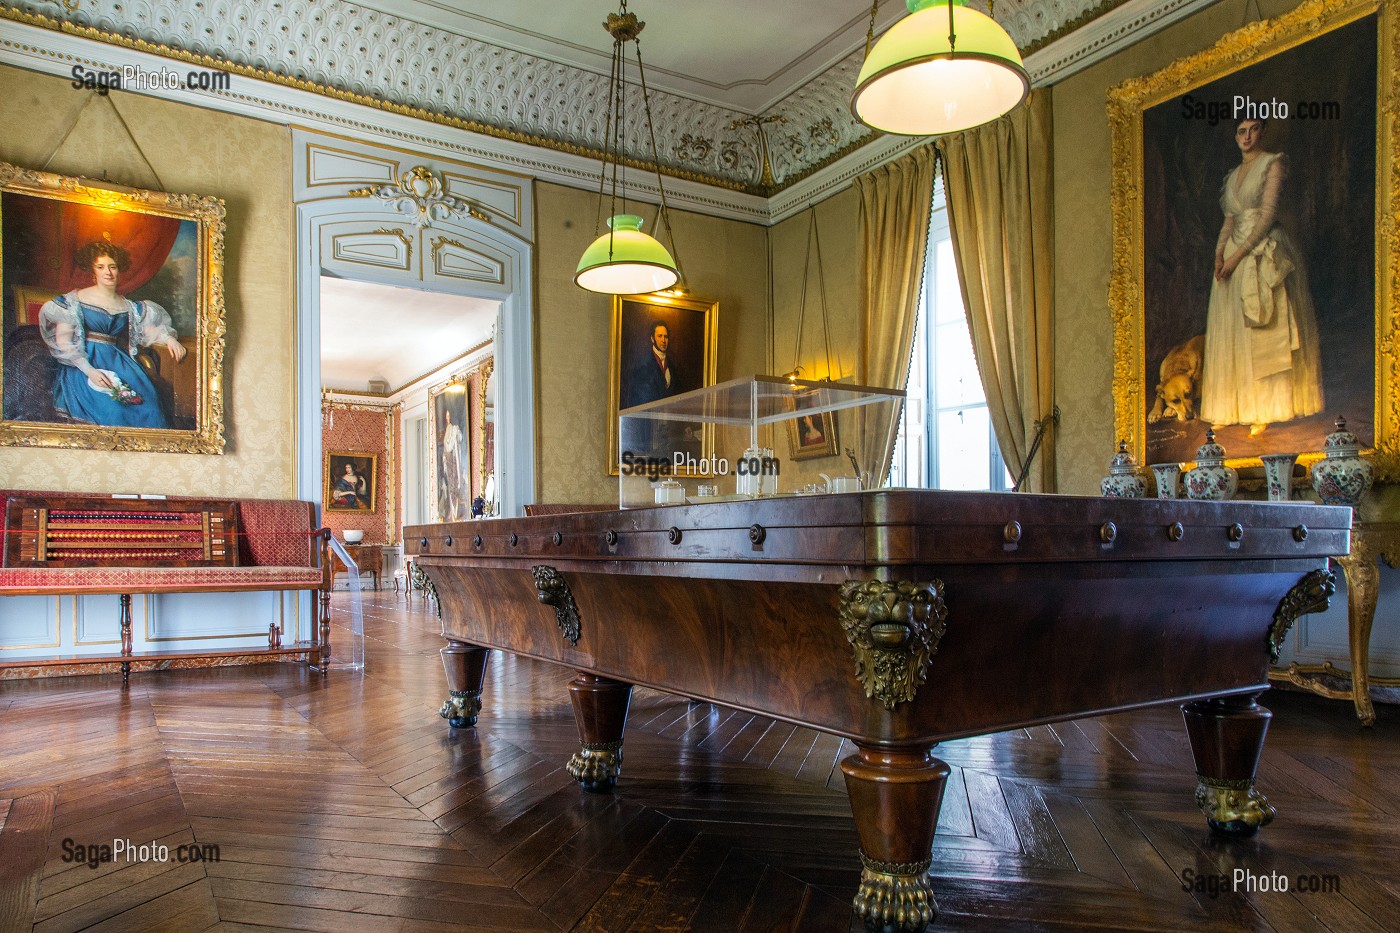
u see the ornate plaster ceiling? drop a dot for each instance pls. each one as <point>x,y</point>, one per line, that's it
<point>538,72</point>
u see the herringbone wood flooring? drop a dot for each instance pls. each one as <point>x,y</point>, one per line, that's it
<point>346,804</point>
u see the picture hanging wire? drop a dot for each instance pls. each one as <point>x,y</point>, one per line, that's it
<point>814,244</point>
<point>73,125</point>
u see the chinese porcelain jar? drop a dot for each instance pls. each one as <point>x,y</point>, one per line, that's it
<point>1341,477</point>
<point>1211,478</point>
<point>1123,481</point>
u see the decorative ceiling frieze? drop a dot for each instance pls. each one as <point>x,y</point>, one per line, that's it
<point>353,51</point>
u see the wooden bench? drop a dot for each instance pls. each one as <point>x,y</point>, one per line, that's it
<point>60,544</point>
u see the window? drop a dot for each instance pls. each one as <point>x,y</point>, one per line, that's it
<point>945,438</point>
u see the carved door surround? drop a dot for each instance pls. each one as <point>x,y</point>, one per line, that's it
<point>393,217</point>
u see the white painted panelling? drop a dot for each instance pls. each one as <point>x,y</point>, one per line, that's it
<point>27,621</point>
<point>1324,636</point>
<point>336,167</point>
<point>379,250</point>
<point>96,620</point>
<point>175,616</point>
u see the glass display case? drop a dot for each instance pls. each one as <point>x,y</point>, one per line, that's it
<point>755,436</point>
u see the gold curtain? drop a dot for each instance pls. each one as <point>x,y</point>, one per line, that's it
<point>998,179</point>
<point>895,201</point>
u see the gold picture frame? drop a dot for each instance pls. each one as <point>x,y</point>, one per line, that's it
<point>692,336</point>
<point>811,437</point>
<point>159,348</point>
<point>450,473</point>
<point>352,489</point>
<point>1266,51</point>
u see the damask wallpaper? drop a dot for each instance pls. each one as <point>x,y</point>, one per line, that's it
<point>199,151</point>
<point>355,428</point>
<point>724,260</point>
<point>1084,238</point>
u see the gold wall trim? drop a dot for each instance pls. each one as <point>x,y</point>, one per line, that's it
<point>1237,50</point>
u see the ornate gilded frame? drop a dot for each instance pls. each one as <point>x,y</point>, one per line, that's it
<point>1237,50</point>
<point>484,377</point>
<point>207,213</point>
<point>473,435</point>
<point>326,477</point>
<point>710,327</point>
<point>829,447</point>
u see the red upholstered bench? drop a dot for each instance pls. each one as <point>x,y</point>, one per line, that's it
<point>79,545</point>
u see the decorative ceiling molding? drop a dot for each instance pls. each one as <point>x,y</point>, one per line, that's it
<point>366,54</point>
<point>540,118</point>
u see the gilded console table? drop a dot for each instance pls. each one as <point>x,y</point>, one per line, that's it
<point>1370,542</point>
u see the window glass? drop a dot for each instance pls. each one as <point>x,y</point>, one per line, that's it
<point>945,438</point>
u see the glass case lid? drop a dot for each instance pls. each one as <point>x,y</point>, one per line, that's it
<point>761,400</point>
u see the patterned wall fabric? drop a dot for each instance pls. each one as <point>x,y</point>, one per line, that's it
<point>360,430</point>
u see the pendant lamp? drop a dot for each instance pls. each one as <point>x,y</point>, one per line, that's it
<point>626,261</point>
<point>942,69</point>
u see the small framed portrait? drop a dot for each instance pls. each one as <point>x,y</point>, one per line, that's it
<point>451,470</point>
<point>660,346</point>
<point>112,332</point>
<point>811,435</point>
<point>350,480</point>
<point>1254,282</point>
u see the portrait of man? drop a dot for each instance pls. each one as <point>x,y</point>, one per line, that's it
<point>662,347</point>
<point>452,455</point>
<point>653,375</point>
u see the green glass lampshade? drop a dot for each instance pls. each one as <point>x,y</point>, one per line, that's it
<point>914,83</point>
<point>626,261</point>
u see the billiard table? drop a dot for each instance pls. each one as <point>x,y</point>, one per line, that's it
<point>897,619</point>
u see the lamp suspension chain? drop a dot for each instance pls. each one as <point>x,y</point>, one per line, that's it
<point>952,35</point>
<point>665,212</point>
<point>870,32</point>
<point>608,150</point>
<point>620,114</point>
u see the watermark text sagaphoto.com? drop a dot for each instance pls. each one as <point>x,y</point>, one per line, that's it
<point>131,78</point>
<point>1244,881</point>
<point>96,854</point>
<point>1244,107</point>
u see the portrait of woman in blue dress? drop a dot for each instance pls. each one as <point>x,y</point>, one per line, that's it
<point>95,334</point>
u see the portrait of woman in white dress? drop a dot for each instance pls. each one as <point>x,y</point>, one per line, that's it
<point>1259,256</point>
<point>1262,360</point>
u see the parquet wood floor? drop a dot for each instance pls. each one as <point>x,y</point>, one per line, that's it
<point>346,804</point>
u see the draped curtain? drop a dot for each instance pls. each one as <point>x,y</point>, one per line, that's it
<point>895,201</point>
<point>997,179</point>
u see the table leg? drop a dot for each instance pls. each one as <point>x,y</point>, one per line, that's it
<point>324,649</point>
<point>1227,737</point>
<point>1363,588</point>
<point>895,797</point>
<point>600,710</point>
<point>466,671</point>
<point>127,645</point>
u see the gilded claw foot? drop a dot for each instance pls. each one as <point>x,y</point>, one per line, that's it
<point>597,765</point>
<point>461,708</point>
<point>894,898</point>
<point>1233,808</point>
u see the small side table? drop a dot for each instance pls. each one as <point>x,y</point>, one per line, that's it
<point>368,557</point>
<point>1370,542</point>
